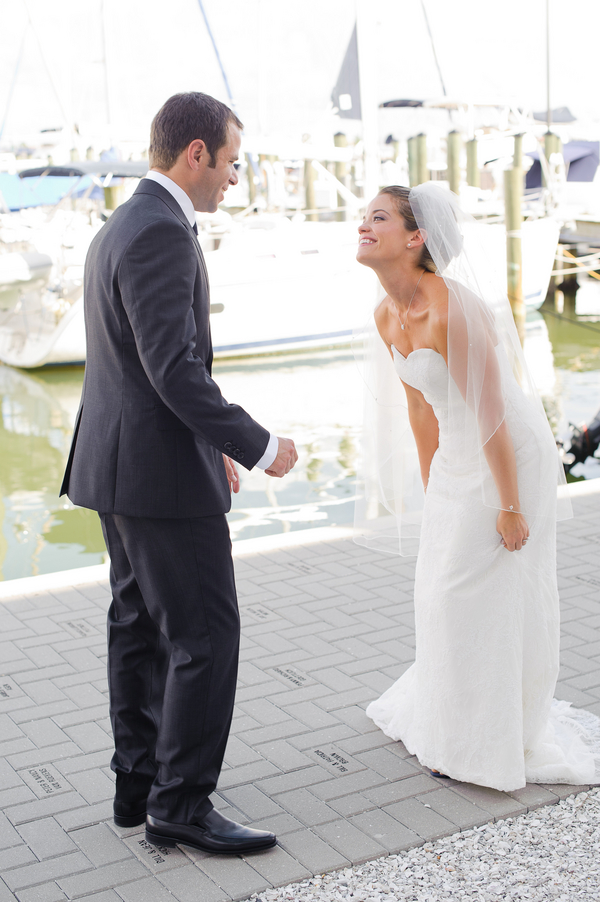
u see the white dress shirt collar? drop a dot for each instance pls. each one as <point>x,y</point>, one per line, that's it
<point>178,193</point>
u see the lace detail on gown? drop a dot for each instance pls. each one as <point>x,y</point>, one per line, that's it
<point>478,703</point>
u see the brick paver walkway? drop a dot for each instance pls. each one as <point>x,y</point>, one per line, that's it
<point>327,626</point>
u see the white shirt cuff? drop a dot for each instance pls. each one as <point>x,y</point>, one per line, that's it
<point>270,454</point>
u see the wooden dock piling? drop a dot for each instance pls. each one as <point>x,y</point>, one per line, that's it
<point>341,174</point>
<point>552,144</point>
<point>251,182</point>
<point>309,190</point>
<point>473,177</point>
<point>518,152</point>
<point>454,145</point>
<point>417,160</point>
<point>513,193</point>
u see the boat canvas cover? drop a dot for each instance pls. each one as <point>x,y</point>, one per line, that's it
<point>581,159</point>
<point>17,194</point>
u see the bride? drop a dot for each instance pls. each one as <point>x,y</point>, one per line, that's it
<point>477,705</point>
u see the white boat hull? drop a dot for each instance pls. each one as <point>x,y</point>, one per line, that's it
<point>279,290</point>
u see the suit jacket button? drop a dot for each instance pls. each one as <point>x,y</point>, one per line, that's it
<point>228,446</point>
<point>240,455</point>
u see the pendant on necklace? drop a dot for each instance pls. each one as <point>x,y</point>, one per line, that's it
<point>402,326</point>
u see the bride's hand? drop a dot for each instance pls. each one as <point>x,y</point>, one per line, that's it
<point>513,530</point>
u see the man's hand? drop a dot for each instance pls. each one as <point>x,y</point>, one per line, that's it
<point>285,460</point>
<point>232,475</point>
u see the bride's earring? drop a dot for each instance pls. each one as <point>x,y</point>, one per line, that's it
<point>408,245</point>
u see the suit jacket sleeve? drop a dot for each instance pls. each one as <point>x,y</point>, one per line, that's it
<point>169,315</point>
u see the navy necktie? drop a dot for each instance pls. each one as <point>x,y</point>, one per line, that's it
<point>195,227</point>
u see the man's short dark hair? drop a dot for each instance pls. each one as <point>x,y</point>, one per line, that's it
<point>185,118</point>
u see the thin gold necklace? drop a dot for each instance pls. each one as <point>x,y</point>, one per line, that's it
<point>403,324</point>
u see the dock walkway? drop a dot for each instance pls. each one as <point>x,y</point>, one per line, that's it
<point>327,626</point>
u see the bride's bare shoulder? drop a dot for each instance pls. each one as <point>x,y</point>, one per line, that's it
<point>437,298</point>
<point>382,315</point>
<point>437,304</point>
<point>385,322</point>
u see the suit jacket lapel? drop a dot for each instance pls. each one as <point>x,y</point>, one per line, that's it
<point>148,186</point>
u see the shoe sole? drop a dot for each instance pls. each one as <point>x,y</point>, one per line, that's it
<point>134,820</point>
<point>157,840</point>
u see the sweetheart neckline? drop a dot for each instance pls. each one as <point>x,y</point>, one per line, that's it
<point>433,351</point>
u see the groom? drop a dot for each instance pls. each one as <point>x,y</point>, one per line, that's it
<point>153,452</point>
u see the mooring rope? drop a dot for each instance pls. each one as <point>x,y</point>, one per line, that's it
<point>575,322</point>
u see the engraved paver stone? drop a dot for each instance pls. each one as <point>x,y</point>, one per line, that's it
<point>336,760</point>
<point>45,781</point>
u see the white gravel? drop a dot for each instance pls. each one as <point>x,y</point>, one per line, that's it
<point>550,853</point>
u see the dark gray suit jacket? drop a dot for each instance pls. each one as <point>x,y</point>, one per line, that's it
<point>152,425</point>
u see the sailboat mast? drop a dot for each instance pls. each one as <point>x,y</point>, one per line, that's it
<point>106,79</point>
<point>435,56</point>
<point>215,48</point>
<point>548,107</point>
<point>367,69</point>
<point>14,80</point>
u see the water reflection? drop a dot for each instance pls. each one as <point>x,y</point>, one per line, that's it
<point>40,532</point>
<point>317,400</point>
<point>314,399</point>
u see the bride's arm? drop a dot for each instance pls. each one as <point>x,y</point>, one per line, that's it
<point>497,442</point>
<point>500,455</point>
<point>425,429</point>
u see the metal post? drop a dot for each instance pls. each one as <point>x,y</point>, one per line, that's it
<point>473,177</point>
<point>454,147</point>
<point>513,191</point>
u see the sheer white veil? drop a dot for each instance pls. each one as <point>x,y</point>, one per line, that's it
<point>486,368</point>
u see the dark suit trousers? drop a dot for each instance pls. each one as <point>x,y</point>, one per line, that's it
<point>173,642</point>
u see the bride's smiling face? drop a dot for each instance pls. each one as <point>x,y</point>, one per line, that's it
<point>382,235</point>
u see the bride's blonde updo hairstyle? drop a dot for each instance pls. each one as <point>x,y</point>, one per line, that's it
<point>447,249</point>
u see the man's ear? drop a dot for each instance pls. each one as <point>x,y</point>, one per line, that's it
<point>195,151</point>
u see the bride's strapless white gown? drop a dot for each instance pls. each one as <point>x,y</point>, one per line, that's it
<point>477,704</point>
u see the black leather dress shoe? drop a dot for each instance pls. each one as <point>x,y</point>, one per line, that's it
<point>131,794</point>
<point>126,814</point>
<point>212,833</point>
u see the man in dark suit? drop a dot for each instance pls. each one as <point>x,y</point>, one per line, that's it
<point>153,452</point>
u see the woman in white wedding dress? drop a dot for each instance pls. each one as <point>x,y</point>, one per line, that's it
<point>477,705</point>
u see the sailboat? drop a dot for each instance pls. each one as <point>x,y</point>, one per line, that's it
<point>276,285</point>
